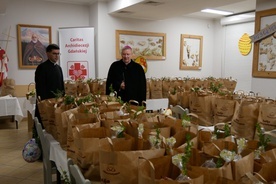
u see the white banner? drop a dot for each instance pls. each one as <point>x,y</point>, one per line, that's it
<point>77,57</point>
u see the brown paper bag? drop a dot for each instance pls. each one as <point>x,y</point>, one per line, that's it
<point>223,110</point>
<point>8,87</point>
<point>217,146</point>
<point>181,140</point>
<point>150,119</point>
<point>230,84</point>
<point>43,114</point>
<point>160,170</point>
<point>184,98</point>
<point>201,105</point>
<point>97,86</point>
<point>114,115</point>
<point>245,117</point>
<point>198,162</point>
<point>109,106</point>
<point>178,83</point>
<point>244,165</point>
<point>267,118</point>
<point>188,84</point>
<point>156,88</point>
<point>61,130</point>
<point>268,171</point>
<point>78,117</point>
<point>142,143</point>
<point>174,98</point>
<point>65,121</point>
<point>82,88</point>
<point>222,180</point>
<point>252,178</point>
<point>176,125</point>
<point>148,95</point>
<point>50,106</point>
<point>211,175</point>
<point>94,86</point>
<point>70,88</point>
<point>87,141</point>
<point>119,167</point>
<point>204,138</point>
<point>166,87</point>
<point>265,157</point>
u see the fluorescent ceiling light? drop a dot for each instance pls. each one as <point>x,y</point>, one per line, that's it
<point>236,19</point>
<point>220,12</point>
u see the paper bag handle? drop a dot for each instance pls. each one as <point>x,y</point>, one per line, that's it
<point>110,144</point>
<point>254,179</point>
<point>152,169</point>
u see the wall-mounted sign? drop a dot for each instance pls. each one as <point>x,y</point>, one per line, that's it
<point>268,30</point>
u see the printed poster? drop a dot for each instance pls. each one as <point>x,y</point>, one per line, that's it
<point>77,57</point>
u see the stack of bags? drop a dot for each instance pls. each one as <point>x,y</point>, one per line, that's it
<point>119,142</point>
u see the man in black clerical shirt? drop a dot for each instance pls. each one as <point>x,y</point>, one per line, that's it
<point>127,78</point>
<point>48,77</point>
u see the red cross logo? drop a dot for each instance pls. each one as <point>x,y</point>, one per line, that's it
<point>77,71</point>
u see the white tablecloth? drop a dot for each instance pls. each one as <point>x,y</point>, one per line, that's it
<point>9,106</point>
<point>157,104</point>
<point>28,106</point>
<point>57,154</point>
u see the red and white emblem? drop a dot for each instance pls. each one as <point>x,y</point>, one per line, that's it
<point>77,70</point>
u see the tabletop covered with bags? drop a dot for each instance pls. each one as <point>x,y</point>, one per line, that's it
<point>116,142</point>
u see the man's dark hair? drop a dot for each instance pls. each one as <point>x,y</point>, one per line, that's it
<point>52,47</point>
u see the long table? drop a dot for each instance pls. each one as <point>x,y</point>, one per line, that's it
<point>30,108</point>
<point>9,106</point>
<point>57,154</point>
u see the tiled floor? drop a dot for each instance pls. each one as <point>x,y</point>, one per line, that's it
<point>13,168</point>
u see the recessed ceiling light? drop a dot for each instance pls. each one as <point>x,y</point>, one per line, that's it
<point>220,12</point>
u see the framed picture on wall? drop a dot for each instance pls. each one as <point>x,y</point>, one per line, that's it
<point>152,46</point>
<point>264,58</point>
<point>190,52</point>
<point>32,43</point>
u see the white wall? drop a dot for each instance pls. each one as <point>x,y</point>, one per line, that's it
<point>36,13</point>
<point>173,28</point>
<point>59,15</point>
<point>93,22</point>
<point>234,64</point>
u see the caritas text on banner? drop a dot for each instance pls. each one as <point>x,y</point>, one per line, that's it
<point>77,57</point>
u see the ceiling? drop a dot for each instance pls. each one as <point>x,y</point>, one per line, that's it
<point>164,9</point>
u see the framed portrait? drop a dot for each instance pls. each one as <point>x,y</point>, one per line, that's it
<point>264,57</point>
<point>32,43</point>
<point>190,52</point>
<point>152,46</point>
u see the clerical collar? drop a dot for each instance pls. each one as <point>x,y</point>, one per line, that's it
<point>127,63</point>
<point>53,62</point>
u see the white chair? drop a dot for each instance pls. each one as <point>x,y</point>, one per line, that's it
<point>156,104</point>
<point>70,162</point>
<point>76,176</point>
<point>49,167</point>
<point>178,111</point>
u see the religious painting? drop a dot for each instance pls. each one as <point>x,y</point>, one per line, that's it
<point>190,52</point>
<point>32,43</point>
<point>151,46</point>
<point>264,58</point>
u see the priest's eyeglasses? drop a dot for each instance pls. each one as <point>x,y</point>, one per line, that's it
<point>57,54</point>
